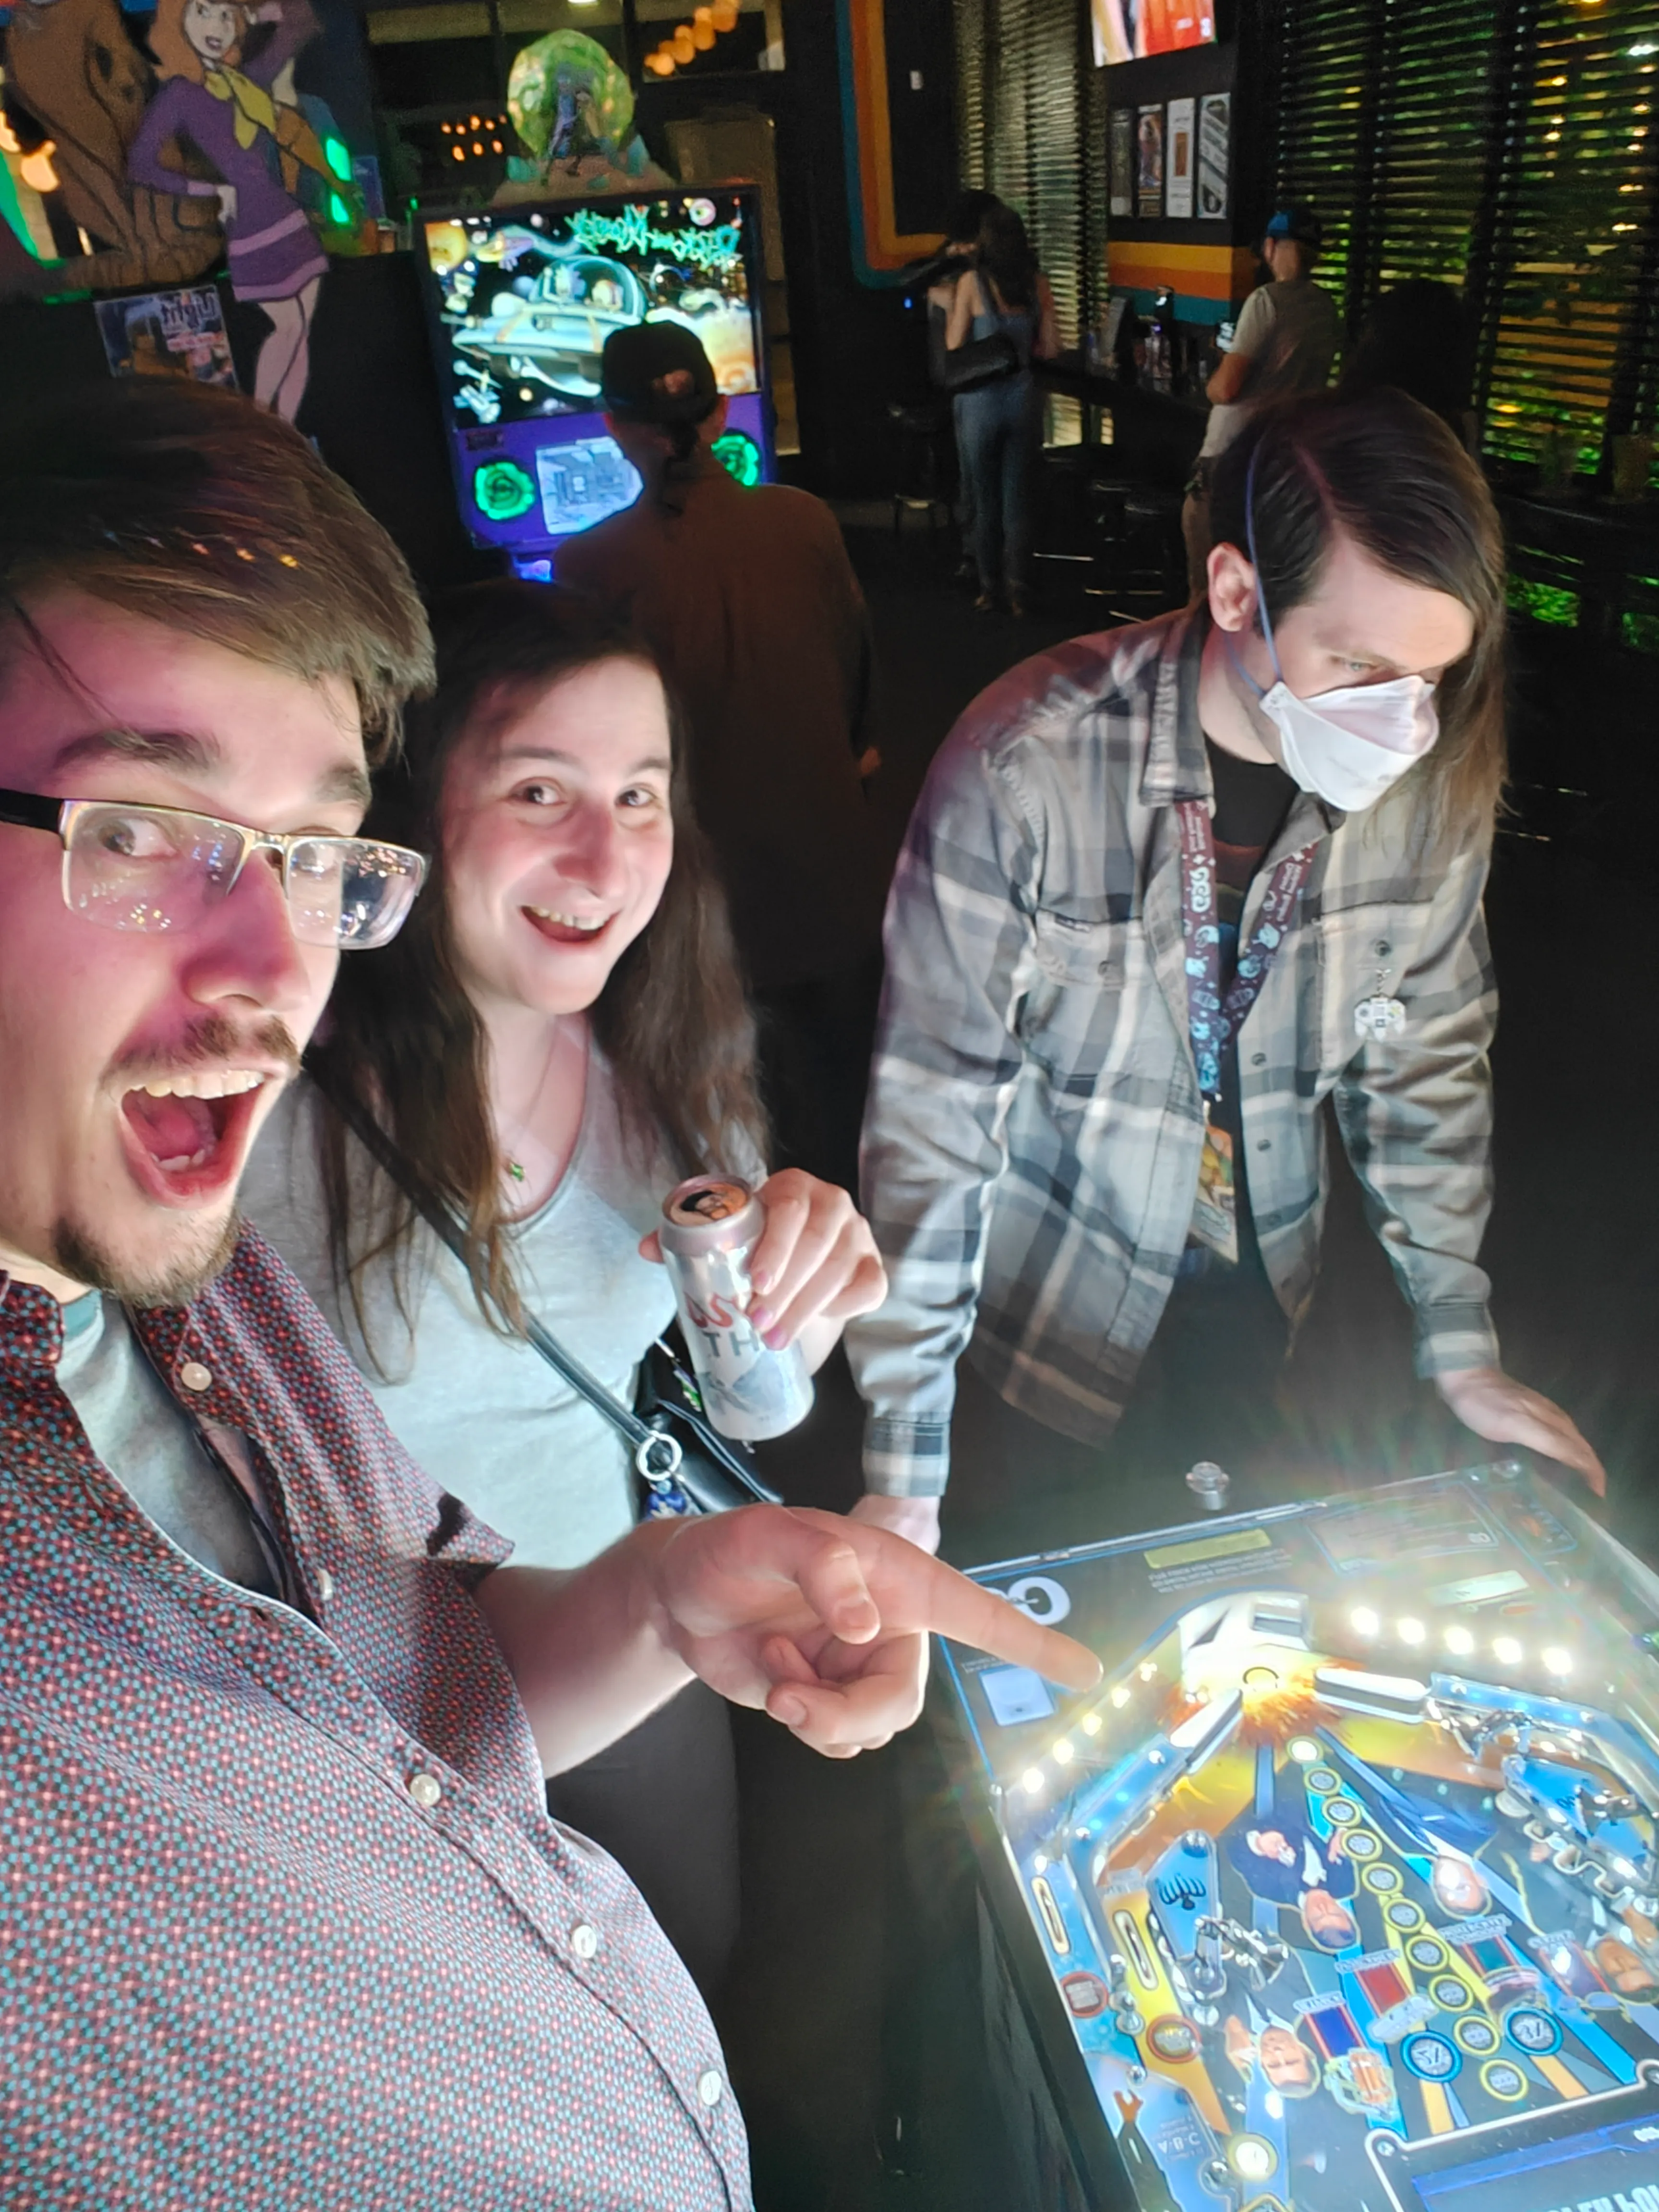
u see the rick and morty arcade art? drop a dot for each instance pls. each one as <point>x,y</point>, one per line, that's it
<point>1340,1894</point>
<point>522,299</point>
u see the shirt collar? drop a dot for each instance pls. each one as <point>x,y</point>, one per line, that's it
<point>1176,765</point>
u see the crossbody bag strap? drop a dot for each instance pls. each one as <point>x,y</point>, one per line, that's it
<point>656,1455</point>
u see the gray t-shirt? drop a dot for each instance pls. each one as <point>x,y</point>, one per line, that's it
<point>484,1413</point>
<point>1288,334</point>
<point>148,1445</point>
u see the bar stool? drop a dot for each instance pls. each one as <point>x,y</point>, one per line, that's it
<point>921,481</point>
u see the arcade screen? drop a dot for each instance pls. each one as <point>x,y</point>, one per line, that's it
<point>520,300</point>
<point>1127,30</point>
<point>1344,1882</point>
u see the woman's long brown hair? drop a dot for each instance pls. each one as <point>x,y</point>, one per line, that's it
<point>404,1041</point>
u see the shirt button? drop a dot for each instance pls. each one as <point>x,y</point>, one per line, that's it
<point>195,1376</point>
<point>710,2088</point>
<point>1266,1145</point>
<point>1258,1060</point>
<point>584,1939</point>
<point>426,1789</point>
<point>325,1584</point>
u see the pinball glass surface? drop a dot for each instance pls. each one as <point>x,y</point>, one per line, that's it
<point>1344,1877</point>
<point>520,300</point>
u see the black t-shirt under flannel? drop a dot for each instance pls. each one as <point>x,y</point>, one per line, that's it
<point>1252,798</point>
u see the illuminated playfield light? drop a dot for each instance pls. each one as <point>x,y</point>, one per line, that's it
<point>1146,1671</point>
<point>1410,1631</point>
<point>1063,1752</point>
<point>1507,1651</point>
<point>1121,1695</point>
<point>1252,2160</point>
<point>1460,1641</point>
<point>1364,1621</point>
<point>1031,1782</point>
<point>1040,1863</point>
<point>1556,1659</point>
<point>1092,1725</point>
<point>1303,1750</point>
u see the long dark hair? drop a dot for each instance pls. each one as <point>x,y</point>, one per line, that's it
<point>1390,474</point>
<point>1006,256</point>
<point>405,1042</point>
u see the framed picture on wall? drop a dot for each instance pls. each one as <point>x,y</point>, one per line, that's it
<point>1178,160</point>
<point>1120,161</point>
<point>1215,137</point>
<point>1149,161</point>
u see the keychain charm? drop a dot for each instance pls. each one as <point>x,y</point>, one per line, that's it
<point>1379,1017</point>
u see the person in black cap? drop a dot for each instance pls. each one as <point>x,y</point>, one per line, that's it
<point>1285,341</point>
<point>748,602</point>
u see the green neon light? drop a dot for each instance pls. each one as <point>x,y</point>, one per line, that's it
<point>738,456</point>
<point>339,157</point>
<point>1545,603</point>
<point>503,491</point>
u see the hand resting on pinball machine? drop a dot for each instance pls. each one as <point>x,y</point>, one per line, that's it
<point>1504,1411</point>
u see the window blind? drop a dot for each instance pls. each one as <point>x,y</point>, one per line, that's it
<point>1571,305</point>
<point>1506,147</point>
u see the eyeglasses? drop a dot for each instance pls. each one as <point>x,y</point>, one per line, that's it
<point>158,868</point>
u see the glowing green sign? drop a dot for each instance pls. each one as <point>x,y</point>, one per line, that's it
<point>738,456</point>
<point>503,491</point>
<point>630,231</point>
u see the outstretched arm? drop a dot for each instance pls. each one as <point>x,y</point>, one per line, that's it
<point>822,1621</point>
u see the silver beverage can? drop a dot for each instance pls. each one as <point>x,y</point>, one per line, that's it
<point>710,1225</point>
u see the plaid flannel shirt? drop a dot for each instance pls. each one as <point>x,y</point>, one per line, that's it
<point>1032,1139</point>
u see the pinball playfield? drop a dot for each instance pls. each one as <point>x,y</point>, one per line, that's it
<point>1340,1894</point>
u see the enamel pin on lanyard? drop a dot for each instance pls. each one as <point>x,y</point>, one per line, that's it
<point>1379,1017</point>
<point>1216,1017</point>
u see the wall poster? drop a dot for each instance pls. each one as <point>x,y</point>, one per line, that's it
<point>1149,162</point>
<point>1178,160</point>
<point>1120,149</point>
<point>180,333</point>
<point>1214,132</point>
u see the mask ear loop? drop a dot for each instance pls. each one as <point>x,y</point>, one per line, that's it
<point>1249,540</point>
<point>1239,669</point>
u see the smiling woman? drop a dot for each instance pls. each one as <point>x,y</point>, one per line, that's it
<point>556,1039</point>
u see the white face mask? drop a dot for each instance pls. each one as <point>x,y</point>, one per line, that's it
<point>1350,746</point>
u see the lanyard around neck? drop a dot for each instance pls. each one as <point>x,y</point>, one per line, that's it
<point>1215,1018</point>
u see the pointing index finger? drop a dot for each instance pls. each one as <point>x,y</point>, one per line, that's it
<point>966,1613</point>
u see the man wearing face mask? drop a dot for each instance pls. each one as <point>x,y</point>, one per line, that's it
<point>1166,889</point>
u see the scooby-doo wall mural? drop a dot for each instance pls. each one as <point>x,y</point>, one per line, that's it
<point>149,150</point>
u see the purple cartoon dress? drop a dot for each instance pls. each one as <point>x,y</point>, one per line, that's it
<point>271,249</point>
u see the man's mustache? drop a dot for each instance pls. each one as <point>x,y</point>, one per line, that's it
<point>214,1041</point>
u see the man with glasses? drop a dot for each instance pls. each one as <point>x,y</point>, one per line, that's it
<point>285,1921</point>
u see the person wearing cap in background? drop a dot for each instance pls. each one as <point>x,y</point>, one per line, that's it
<point>1285,341</point>
<point>748,602</point>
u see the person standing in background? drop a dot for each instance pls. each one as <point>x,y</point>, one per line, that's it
<point>1285,341</point>
<point>999,424</point>
<point>749,604</point>
<point>961,236</point>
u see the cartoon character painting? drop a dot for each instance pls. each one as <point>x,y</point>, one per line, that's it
<point>74,77</point>
<point>257,145</point>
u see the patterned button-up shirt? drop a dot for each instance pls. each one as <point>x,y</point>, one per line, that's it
<point>1032,1139</point>
<point>284,1922</point>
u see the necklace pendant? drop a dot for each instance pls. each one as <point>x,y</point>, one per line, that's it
<point>516,1170</point>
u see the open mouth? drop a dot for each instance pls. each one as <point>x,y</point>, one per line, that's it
<point>560,928</point>
<point>187,1133</point>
